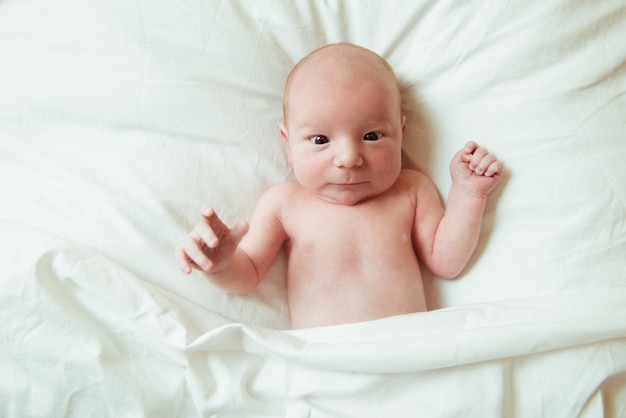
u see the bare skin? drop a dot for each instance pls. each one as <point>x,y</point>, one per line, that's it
<point>355,225</point>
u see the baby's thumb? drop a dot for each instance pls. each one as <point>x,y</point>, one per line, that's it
<point>238,231</point>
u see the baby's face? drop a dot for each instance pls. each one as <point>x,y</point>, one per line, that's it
<point>344,138</point>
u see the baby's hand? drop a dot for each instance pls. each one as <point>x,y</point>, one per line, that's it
<point>474,170</point>
<point>210,244</point>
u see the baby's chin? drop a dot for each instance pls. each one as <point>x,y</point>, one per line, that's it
<point>346,195</point>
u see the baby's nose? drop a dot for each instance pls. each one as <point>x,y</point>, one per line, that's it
<point>348,155</point>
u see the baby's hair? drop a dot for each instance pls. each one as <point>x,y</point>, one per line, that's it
<point>348,53</point>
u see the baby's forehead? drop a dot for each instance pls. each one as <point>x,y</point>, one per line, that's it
<point>337,62</point>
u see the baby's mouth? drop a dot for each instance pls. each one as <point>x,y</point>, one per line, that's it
<point>350,183</point>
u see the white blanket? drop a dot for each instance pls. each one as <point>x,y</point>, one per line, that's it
<point>118,119</point>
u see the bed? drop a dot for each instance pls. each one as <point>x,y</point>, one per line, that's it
<point>119,119</point>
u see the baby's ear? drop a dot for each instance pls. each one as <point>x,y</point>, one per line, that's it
<point>283,131</point>
<point>285,134</point>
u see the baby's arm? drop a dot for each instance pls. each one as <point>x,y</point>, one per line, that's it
<point>233,259</point>
<point>446,239</point>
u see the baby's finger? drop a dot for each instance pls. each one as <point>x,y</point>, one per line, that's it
<point>484,164</point>
<point>206,211</point>
<point>206,234</point>
<point>470,147</point>
<point>494,168</point>
<point>182,261</point>
<point>215,225</point>
<point>467,151</point>
<point>477,156</point>
<point>192,247</point>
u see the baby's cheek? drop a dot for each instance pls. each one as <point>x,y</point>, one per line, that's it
<point>307,176</point>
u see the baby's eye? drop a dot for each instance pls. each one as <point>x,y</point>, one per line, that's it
<point>372,136</point>
<point>319,139</point>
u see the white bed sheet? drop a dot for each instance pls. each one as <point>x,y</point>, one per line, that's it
<point>119,119</point>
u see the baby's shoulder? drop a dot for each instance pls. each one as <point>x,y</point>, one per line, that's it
<point>419,186</point>
<point>281,194</point>
<point>283,190</point>
<point>272,202</point>
<point>413,178</point>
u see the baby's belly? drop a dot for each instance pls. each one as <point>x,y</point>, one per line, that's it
<point>353,290</point>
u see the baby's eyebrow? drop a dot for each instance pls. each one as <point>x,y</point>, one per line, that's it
<point>309,132</point>
<point>311,128</point>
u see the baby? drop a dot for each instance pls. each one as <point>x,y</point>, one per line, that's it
<point>355,225</point>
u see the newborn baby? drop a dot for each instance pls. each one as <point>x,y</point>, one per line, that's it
<point>355,225</point>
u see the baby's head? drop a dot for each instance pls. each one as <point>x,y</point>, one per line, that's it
<point>343,123</point>
<point>340,63</point>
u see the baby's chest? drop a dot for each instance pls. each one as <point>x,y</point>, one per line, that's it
<point>344,228</point>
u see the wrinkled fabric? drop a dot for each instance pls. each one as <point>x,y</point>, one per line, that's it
<point>119,119</point>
